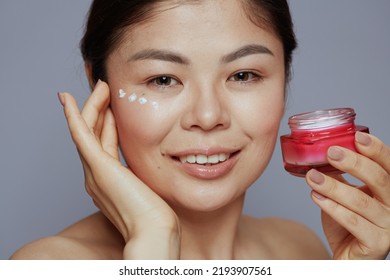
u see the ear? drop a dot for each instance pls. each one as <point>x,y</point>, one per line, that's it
<point>88,72</point>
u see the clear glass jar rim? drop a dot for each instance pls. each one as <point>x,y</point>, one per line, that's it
<point>322,118</point>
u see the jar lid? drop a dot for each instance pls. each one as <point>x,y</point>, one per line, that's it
<point>322,118</point>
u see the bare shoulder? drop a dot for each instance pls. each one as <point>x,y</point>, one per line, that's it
<point>54,248</point>
<point>91,238</point>
<point>284,239</point>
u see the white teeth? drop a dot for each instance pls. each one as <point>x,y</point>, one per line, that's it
<point>191,159</point>
<point>223,157</point>
<point>203,159</point>
<point>213,159</point>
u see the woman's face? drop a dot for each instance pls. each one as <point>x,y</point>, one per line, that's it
<point>198,93</point>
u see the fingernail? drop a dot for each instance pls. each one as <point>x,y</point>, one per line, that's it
<point>99,82</point>
<point>316,177</point>
<point>335,153</point>
<point>61,98</point>
<point>362,138</point>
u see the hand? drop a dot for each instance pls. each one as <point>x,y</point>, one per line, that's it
<point>138,213</point>
<point>356,221</point>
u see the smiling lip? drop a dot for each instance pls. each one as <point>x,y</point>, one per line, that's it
<point>206,171</point>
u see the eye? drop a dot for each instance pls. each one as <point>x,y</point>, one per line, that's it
<point>163,81</point>
<point>245,76</point>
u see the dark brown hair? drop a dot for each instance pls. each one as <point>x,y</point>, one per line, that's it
<point>107,21</point>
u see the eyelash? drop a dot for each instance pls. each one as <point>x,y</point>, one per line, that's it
<point>254,77</point>
<point>154,81</point>
<point>157,82</point>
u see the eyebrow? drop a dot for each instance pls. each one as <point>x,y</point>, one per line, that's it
<point>245,51</point>
<point>169,56</point>
<point>156,54</point>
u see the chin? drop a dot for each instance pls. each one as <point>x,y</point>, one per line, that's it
<point>205,199</point>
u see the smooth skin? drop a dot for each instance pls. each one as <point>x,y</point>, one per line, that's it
<point>215,101</point>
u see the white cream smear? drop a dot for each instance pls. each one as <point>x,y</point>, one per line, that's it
<point>141,100</point>
<point>155,105</point>
<point>122,93</point>
<point>132,97</point>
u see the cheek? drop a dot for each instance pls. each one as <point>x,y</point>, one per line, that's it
<point>141,121</point>
<point>264,130</point>
<point>261,125</point>
<point>260,117</point>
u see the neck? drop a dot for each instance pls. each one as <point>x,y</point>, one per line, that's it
<point>210,235</point>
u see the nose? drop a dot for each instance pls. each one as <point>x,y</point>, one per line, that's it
<point>207,110</point>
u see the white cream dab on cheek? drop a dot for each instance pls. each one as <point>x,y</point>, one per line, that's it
<point>155,105</point>
<point>142,100</point>
<point>132,97</point>
<point>122,93</point>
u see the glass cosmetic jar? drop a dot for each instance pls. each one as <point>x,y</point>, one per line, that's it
<point>312,134</point>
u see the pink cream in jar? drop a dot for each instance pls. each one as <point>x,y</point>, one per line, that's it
<point>311,136</point>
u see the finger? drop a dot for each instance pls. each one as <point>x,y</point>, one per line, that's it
<point>96,103</point>
<point>109,136</point>
<point>340,178</point>
<point>88,176</point>
<point>82,136</point>
<point>373,148</point>
<point>350,198</point>
<point>370,237</point>
<point>334,232</point>
<point>363,168</point>
<point>97,129</point>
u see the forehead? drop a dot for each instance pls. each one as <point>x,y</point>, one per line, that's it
<point>177,24</point>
